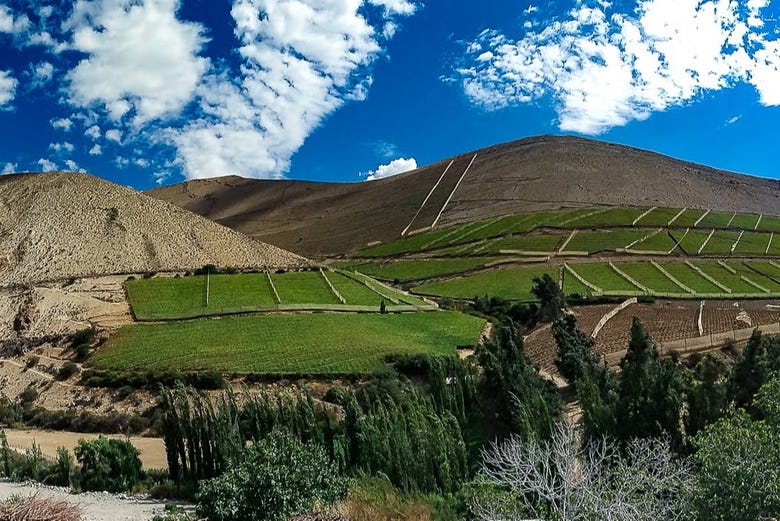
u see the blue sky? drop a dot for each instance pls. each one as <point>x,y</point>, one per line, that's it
<point>147,92</point>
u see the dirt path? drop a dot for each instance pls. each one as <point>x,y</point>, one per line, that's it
<point>94,506</point>
<point>152,449</point>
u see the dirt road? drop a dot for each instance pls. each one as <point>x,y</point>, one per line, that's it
<point>94,506</point>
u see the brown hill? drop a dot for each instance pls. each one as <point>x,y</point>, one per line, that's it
<point>60,225</point>
<point>532,174</point>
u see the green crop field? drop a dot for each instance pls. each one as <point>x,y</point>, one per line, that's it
<point>611,217</point>
<point>275,345</point>
<point>688,218</point>
<point>767,268</point>
<point>660,242</point>
<point>725,277</point>
<point>658,217</point>
<point>745,221</point>
<point>546,243</point>
<point>512,284</point>
<point>354,294</point>
<point>744,270</point>
<point>603,276</point>
<point>716,220</point>
<point>604,240</point>
<point>307,287</point>
<point>769,224</point>
<point>752,243</point>
<point>720,243</point>
<point>419,269</point>
<point>650,276</point>
<point>690,241</point>
<point>691,278</point>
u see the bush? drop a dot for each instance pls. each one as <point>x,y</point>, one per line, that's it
<point>32,361</point>
<point>67,370</point>
<point>35,507</point>
<point>108,465</point>
<point>63,468</point>
<point>280,477</point>
<point>83,351</point>
<point>29,394</point>
<point>84,336</point>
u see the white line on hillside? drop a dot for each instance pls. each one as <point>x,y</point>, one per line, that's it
<point>769,244</point>
<point>705,214</point>
<point>585,215</point>
<point>707,276</point>
<point>758,221</point>
<point>699,320</point>
<point>672,277</point>
<point>403,233</point>
<point>755,284</point>
<point>705,242</point>
<point>332,289</point>
<point>731,220</point>
<point>643,239</point>
<point>436,221</point>
<point>629,278</point>
<point>727,267</point>
<point>676,216</point>
<point>678,244</point>
<point>734,246</point>
<point>645,214</point>
<point>566,242</point>
<point>273,287</point>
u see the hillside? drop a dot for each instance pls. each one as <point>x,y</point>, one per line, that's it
<point>527,175</point>
<point>60,225</point>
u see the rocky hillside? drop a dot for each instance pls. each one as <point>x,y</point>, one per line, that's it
<point>532,174</point>
<point>60,225</point>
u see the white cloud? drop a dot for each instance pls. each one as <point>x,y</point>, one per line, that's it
<point>114,134</point>
<point>62,147</point>
<point>9,168</point>
<point>42,73</point>
<point>47,165</point>
<point>733,120</point>
<point>301,60</point>
<point>394,167</point>
<point>7,88</point>
<point>11,24</point>
<point>139,56</point>
<point>62,123</point>
<point>72,166</point>
<point>96,150</point>
<point>93,132</point>
<point>604,68</point>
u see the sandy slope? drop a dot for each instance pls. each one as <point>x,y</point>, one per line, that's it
<point>59,225</point>
<point>527,175</point>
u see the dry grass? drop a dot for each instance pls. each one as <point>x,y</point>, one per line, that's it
<point>39,509</point>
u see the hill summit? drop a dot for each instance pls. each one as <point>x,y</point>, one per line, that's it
<point>542,173</point>
<point>60,225</point>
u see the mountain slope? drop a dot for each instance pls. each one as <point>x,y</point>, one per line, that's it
<point>531,174</point>
<point>60,225</point>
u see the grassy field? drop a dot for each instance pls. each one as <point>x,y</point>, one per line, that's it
<point>688,218</point>
<point>746,221</point>
<point>274,345</point>
<point>660,242</point>
<point>604,240</point>
<point>545,242</point>
<point>603,276</point>
<point>691,278</point>
<point>753,243</point>
<point>720,243</point>
<point>512,284</point>
<point>185,297</point>
<point>658,217</point>
<point>716,220</point>
<point>418,269</point>
<point>650,276</point>
<point>725,277</point>
<point>611,217</point>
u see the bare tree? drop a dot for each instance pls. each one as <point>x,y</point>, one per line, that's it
<point>559,479</point>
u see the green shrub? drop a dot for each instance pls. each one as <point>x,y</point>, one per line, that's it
<point>32,361</point>
<point>280,477</point>
<point>29,395</point>
<point>67,370</point>
<point>83,336</point>
<point>108,465</point>
<point>83,351</point>
<point>63,468</point>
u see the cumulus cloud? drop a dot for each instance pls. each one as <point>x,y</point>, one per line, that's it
<point>96,150</point>
<point>605,68</point>
<point>140,57</point>
<point>301,60</point>
<point>42,74</point>
<point>47,165</point>
<point>64,147</point>
<point>396,7</point>
<point>114,134</point>
<point>394,167</point>
<point>93,132</point>
<point>62,123</point>
<point>11,23</point>
<point>9,168</point>
<point>7,88</point>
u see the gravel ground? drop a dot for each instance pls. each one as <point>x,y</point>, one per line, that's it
<point>96,506</point>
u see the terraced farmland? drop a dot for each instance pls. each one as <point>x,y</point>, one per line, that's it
<point>333,344</point>
<point>512,284</point>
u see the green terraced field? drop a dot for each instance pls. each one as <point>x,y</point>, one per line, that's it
<point>604,240</point>
<point>691,241</point>
<point>720,243</point>
<point>546,243</point>
<point>354,294</point>
<point>660,242</point>
<point>725,277</point>
<point>603,276</point>
<point>273,344</point>
<point>688,218</point>
<point>745,221</point>
<point>716,220</point>
<point>753,243</point>
<point>743,269</point>
<point>659,217</point>
<point>305,287</point>
<point>767,268</point>
<point>691,278</point>
<point>418,269</point>
<point>650,276</point>
<point>611,217</point>
<point>769,224</point>
<point>512,284</point>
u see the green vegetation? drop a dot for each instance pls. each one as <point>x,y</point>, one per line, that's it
<point>606,278</point>
<point>307,287</point>
<point>721,243</point>
<point>545,243</point>
<point>659,217</point>
<point>511,284</point>
<point>650,276</point>
<point>716,220</point>
<point>689,218</point>
<point>745,221</point>
<point>593,242</point>
<point>657,242</point>
<point>417,269</point>
<point>753,243</point>
<point>691,278</point>
<point>276,345</point>
<point>690,241</point>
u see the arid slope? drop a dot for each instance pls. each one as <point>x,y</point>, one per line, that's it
<point>60,225</point>
<point>532,174</point>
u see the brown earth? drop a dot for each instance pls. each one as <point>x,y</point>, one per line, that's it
<point>538,173</point>
<point>59,225</point>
